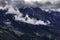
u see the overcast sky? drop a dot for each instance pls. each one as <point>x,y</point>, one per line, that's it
<point>44,4</point>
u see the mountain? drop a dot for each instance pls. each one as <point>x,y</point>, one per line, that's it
<point>26,31</point>
<point>37,13</point>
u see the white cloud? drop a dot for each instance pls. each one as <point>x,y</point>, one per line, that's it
<point>42,1</point>
<point>3,8</point>
<point>27,19</point>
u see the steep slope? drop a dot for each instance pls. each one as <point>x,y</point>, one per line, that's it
<point>37,13</point>
<point>27,31</point>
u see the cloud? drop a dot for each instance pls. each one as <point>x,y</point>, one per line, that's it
<point>43,4</point>
<point>19,17</point>
<point>29,20</point>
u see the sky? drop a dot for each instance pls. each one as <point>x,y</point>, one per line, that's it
<point>43,4</point>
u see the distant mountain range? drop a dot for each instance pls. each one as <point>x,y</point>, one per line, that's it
<point>52,16</point>
<point>30,31</point>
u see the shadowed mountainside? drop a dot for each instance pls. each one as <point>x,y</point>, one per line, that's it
<point>29,31</point>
